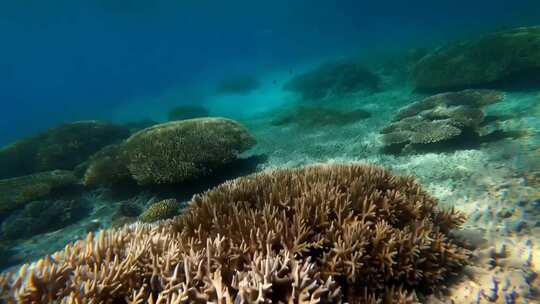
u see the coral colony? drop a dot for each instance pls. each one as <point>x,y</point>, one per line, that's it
<point>365,187</point>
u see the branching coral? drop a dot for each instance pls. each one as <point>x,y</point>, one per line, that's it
<point>320,234</point>
<point>438,119</point>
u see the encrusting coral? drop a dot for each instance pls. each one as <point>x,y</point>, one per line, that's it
<point>438,119</point>
<point>160,211</point>
<point>319,234</point>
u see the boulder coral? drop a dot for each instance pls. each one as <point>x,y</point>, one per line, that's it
<point>333,79</point>
<point>438,119</point>
<point>318,234</point>
<point>483,61</point>
<point>171,153</point>
<point>161,210</point>
<point>62,147</point>
<point>18,191</point>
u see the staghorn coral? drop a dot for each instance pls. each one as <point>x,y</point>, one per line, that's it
<point>160,211</point>
<point>62,147</point>
<point>333,79</point>
<point>16,192</point>
<point>320,234</point>
<point>439,119</point>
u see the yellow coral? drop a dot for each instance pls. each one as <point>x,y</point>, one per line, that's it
<point>159,211</point>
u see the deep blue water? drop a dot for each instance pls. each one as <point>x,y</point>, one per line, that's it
<point>67,60</point>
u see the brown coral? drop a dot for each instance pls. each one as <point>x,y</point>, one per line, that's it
<point>320,234</point>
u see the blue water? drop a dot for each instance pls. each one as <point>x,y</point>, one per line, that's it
<point>299,82</point>
<point>71,60</point>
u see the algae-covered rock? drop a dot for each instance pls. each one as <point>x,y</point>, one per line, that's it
<point>491,58</point>
<point>16,192</point>
<point>160,211</point>
<point>170,153</point>
<point>438,119</point>
<point>187,112</point>
<point>62,147</point>
<point>335,79</point>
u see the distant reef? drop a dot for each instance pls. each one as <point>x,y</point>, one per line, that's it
<point>333,79</point>
<point>187,112</point>
<point>238,85</point>
<point>495,57</point>
<point>62,147</point>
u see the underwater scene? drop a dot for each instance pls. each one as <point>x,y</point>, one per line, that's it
<point>285,151</point>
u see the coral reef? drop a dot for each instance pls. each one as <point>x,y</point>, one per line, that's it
<point>170,153</point>
<point>439,119</point>
<point>241,85</point>
<point>184,150</point>
<point>160,211</point>
<point>16,192</point>
<point>42,216</point>
<point>187,112</point>
<point>312,116</point>
<point>106,168</point>
<point>62,147</point>
<point>488,59</point>
<point>334,79</point>
<point>319,234</point>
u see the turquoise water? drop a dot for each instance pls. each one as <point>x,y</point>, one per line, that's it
<point>124,114</point>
